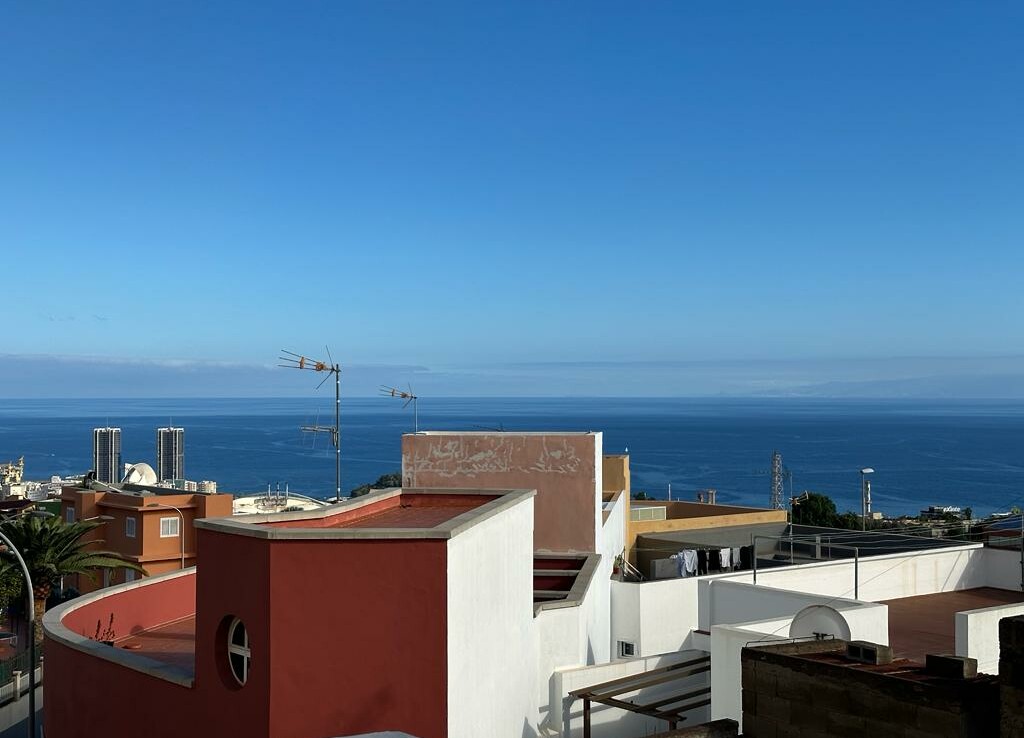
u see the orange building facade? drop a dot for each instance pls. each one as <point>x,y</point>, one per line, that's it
<point>152,529</point>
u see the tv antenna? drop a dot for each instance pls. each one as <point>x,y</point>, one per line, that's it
<point>409,397</point>
<point>298,361</point>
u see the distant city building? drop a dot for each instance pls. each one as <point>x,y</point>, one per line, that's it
<point>106,454</point>
<point>207,487</point>
<point>170,453</point>
<point>12,472</point>
<point>147,525</point>
<point>940,512</point>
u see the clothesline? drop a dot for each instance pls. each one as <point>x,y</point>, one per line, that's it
<point>698,561</point>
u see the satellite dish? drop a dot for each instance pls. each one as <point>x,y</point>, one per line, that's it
<point>818,620</point>
<point>140,473</point>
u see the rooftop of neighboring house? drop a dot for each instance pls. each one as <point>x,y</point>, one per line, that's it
<point>388,513</point>
<point>128,489</point>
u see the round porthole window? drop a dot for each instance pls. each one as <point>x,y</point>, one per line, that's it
<point>238,650</point>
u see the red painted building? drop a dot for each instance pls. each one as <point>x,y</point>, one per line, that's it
<point>331,622</point>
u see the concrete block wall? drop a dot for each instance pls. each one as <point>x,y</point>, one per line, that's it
<point>1011,677</point>
<point>787,697</point>
<point>716,729</point>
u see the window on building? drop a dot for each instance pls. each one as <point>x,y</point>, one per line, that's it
<point>69,515</point>
<point>129,575</point>
<point>169,527</point>
<point>238,651</point>
<point>129,527</point>
<point>627,649</point>
<point>106,577</point>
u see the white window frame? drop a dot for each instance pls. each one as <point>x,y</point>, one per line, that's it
<point>172,523</point>
<point>69,514</point>
<point>244,650</point>
<point>130,527</point>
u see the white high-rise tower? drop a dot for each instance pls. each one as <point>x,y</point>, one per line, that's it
<point>106,454</point>
<point>170,453</point>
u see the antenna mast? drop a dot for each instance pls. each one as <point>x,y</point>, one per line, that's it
<point>298,361</point>
<point>408,397</point>
<point>775,501</point>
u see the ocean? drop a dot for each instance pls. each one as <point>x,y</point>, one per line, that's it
<point>965,453</point>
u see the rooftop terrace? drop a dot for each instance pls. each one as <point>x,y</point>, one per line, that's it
<point>172,643</point>
<point>927,623</point>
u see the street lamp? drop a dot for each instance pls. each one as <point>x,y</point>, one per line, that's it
<point>30,601</point>
<point>181,531</point>
<point>865,496</point>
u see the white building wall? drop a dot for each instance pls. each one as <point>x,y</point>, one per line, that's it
<point>611,543</point>
<point>625,615</point>
<point>657,616</point>
<point>977,634</point>
<point>567,637</point>
<point>492,645</point>
<point>736,602</point>
<point>598,489</point>
<point>1003,569</point>
<point>727,641</point>
<point>877,578</point>
<point>559,645</point>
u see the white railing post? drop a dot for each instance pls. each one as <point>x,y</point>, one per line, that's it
<point>17,685</point>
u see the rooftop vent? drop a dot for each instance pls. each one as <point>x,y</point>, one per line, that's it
<point>868,653</point>
<point>951,667</point>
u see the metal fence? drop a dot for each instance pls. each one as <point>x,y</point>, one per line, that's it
<point>19,663</point>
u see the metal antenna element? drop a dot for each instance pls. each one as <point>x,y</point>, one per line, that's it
<point>779,474</point>
<point>408,397</point>
<point>298,361</point>
<point>777,485</point>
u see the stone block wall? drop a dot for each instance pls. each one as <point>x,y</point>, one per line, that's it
<point>788,693</point>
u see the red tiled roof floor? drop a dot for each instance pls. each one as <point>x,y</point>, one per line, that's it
<point>409,517</point>
<point>172,643</point>
<point>926,624</point>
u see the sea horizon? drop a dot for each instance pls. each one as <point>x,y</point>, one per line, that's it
<point>951,452</point>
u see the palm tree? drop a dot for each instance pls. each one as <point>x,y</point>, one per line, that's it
<point>53,549</point>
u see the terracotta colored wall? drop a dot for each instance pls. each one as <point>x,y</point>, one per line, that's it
<point>137,609</point>
<point>70,707</point>
<point>561,467</point>
<point>359,638</point>
<point>346,637</point>
<point>71,710</point>
<point>233,580</point>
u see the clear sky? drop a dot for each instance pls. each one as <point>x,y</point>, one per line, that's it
<point>463,187</point>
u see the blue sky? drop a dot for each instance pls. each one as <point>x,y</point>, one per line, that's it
<point>457,188</point>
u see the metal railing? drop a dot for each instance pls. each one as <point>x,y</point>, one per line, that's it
<point>14,676</point>
<point>817,545</point>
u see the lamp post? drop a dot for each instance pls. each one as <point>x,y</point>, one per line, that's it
<point>181,531</point>
<point>865,496</point>
<point>30,601</point>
